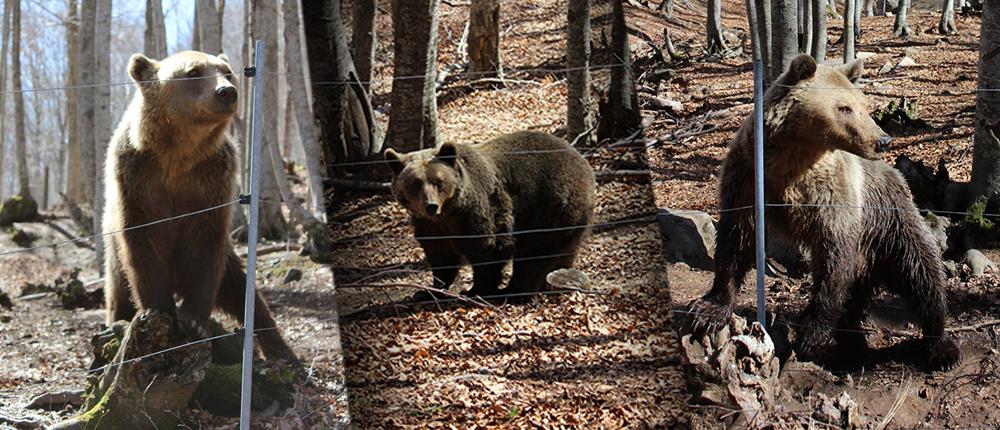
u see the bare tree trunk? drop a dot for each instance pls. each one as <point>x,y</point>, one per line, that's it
<point>870,7</point>
<point>715,42</point>
<point>303,114</point>
<point>848,32</point>
<point>818,49</point>
<point>784,40</point>
<point>620,116</point>
<point>102,114</point>
<point>578,39</point>
<point>272,222</point>
<point>947,23</point>
<point>806,12</point>
<point>857,20</point>
<point>72,24</point>
<point>764,33</point>
<point>4,38</point>
<point>329,100</point>
<point>88,160</point>
<point>413,122</point>
<point>363,40</point>
<point>196,30</point>
<point>986,146</point>
<point>210,34</point>
<point>156,33</point>
<point>900,28</point>
<point>24,182</point>
<point>483,47</point>
<point>754,30</point>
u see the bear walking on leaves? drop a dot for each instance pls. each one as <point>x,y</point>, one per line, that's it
<point>831,194</point>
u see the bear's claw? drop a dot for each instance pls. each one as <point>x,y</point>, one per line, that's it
<point>705,316</point>
<point>943,354</point>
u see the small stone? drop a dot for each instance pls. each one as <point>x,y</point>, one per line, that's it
<point>978,263</point>
<point>293,275</point>
<point>906,62</point>
<point>886,68</point>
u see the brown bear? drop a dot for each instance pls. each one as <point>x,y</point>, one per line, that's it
<point>831,193</point>
<point>485,204</point>
<point>170,156</point>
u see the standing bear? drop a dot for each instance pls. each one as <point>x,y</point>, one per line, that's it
<point>831,194</point>
<point>170,156</point>
<point>526,196</point>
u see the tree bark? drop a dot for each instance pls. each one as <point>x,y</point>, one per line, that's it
<point>73,189</point>
<point>818,48</point>
<point>88,161</point>
<point>24,182</point>
<point>483,47</point>
<point>849,6</point>
<point>900,28</point>
<point>578,39</point>
<point>806,11</point>
<point>272,222</point>
<point>4,38</point>
<point>986,146</point>
<point>303,114</point>
<point>754,30</point>
<point>363,40</point>
<point>947,23</point>
<point>763,9</point>
<point>102,114</point>
<point>413,122</point>
<point>715,42</point>
<point>210,34</point>
<point>155,34</point>
<point>784,40</point>
<point>620,116</point>
<point>857,20</point>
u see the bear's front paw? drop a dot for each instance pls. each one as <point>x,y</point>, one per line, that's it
<point>813,341</point>
<point>705,316</point>
<point>943,354</point>
<point>194,327</point>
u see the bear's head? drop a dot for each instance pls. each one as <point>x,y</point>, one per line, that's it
<point>187,86</point>
<point>815,104</point>
<point>426,182</point>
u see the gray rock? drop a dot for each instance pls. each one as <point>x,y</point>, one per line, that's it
<point>293,275</point>
<point>939,229</point>
<point>978,263</point>
<point>688,237</point>
<point>950,268</point>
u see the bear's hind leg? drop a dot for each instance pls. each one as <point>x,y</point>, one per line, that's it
<point>833,275</point>
<point>852,344</point>
<point>733,259</point>
<point>444,262</point>
<point>117,293</point>
<point>528,277</point>
<point>922,286</point>
<point>232,294</point>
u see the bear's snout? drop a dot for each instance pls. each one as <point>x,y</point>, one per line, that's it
<point>883,143</point>
<point>226,95</point>
<point>432,209</point>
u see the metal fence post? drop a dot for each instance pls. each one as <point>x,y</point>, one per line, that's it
<point>758,155</point>
<point>256,118</point>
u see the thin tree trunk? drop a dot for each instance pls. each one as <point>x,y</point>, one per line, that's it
<point>210,33</point>
<point>818,50</point>
<point>102,114</point>
<point>763,8</point>
<point>86,91</point>
<point>156,33</point>
<point>947,23</point>
<point>900,28</point>
<point>4,38</point>
<point>196,30</point>
<point>578,115</point>
<point>329,99</point>
<point>24,182</point>
<point>363,40</point>
<point>413,122</point>
<point>986,145</point>
<point>73,189</point>
<point>784,39</point>
<point>857,20</point>
<point>303,114</point>
<point>483,47</point>
<point>714,40</point>
<point>870,7</point>
<point>272,222</point>
<point>805,42</point>
<point>754,30</point>
<point>620,116</point>
<point>848,32</point>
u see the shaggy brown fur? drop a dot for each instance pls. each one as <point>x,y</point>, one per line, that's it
<point>170,156</point>
<point>819,150</point>
<point>516,182</point>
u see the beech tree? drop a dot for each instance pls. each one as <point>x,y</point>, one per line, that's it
<point>483,47</point>
<point>578,39</point>
<point>413,122</point>
<point>986,144</point>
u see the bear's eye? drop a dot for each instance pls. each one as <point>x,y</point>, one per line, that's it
<point>194,73</point>
<point>845,109</point>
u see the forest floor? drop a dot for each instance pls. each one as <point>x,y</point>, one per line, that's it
<point>46,348</point>
<point>942,81</point>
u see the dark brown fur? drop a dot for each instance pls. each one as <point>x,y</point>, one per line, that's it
<point>515,182</point>
<point>819,150</point>
<point>170,156</point>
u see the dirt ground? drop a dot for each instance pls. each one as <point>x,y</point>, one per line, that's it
<point>46,348</point>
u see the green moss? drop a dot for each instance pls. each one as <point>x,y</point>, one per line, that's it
<point>976,216</point>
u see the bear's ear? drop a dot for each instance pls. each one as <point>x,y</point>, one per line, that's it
<point>224,58</point>
<point>394,161</point>
<point>142,69</point>
<point>853,70</point>
<point>802,67</point>
<point>447,153</point>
